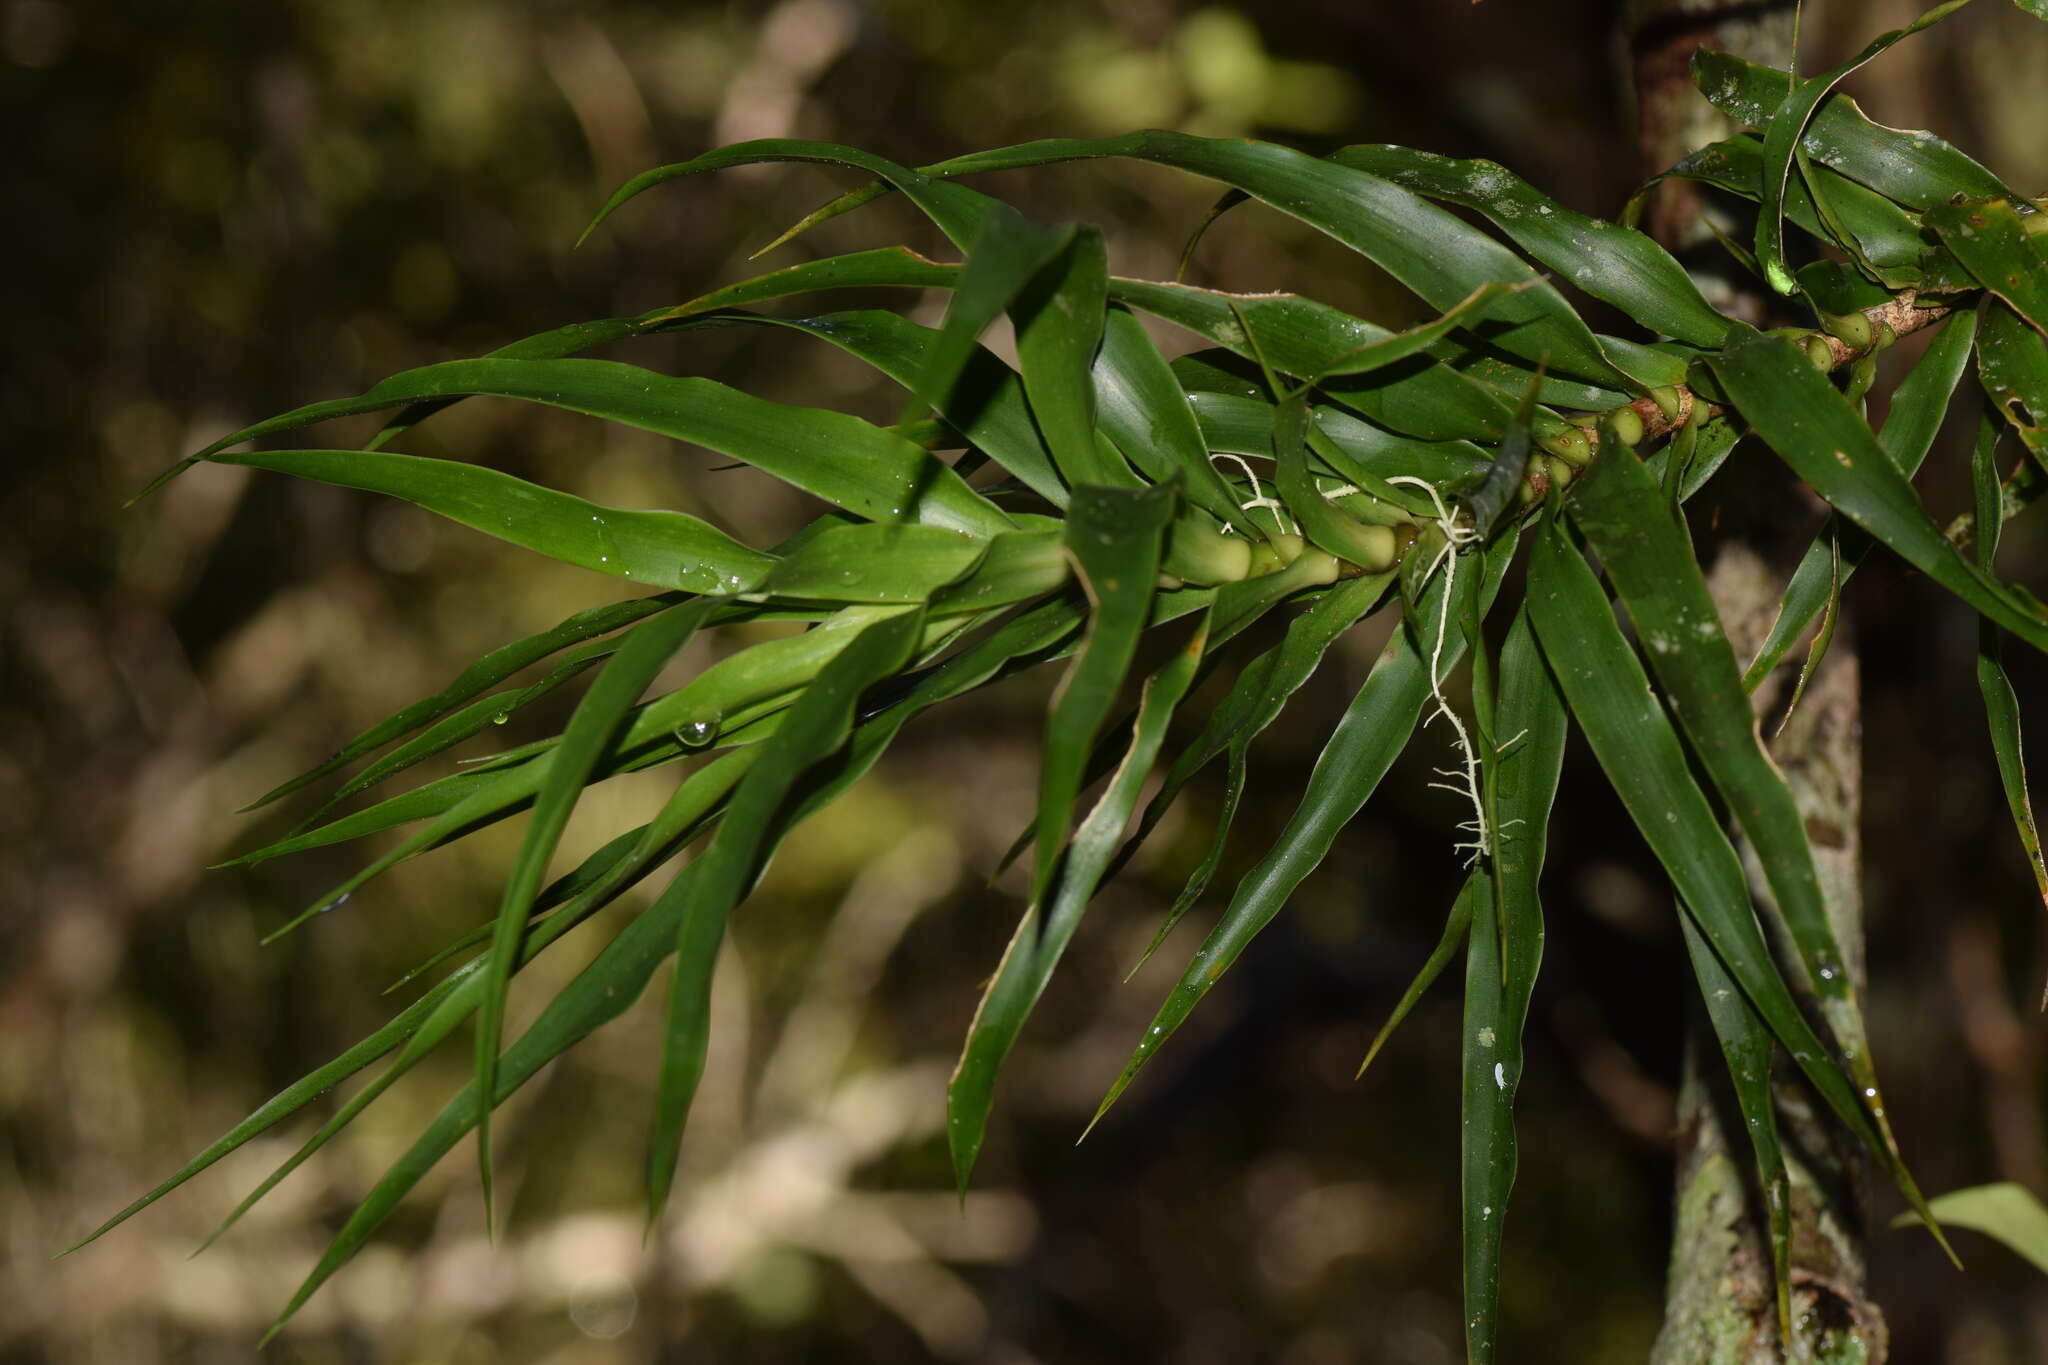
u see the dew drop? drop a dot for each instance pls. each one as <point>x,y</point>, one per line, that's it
<point>696,733</point>
<point>501,718</point>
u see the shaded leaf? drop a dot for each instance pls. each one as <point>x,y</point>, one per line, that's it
<point>1916,169</point>
<point>1500,968</point>
<point>1648,557</point>
<point>1992,242</point>
<point>1782,142</point>
<point>1615,264</point>
<point>1812,428</point>
<point>1917,409</point>
<point>1610,697</point>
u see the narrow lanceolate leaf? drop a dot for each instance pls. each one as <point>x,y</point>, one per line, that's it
<point>1917,409</point>
<point>870,472</point>
<point>1611,698</point>
<point>1915,168</point>
<point>590,732</point>
<point>288,1102</point>
<point>1321,522</point>
<point>986,401</point>
<point>1504,477</point>
<point>1432,252</point>
<point>1883,237</point>
<point>1456,926</point>
<point>1992,241</point>
<point>1045,930</point>
<point>1059,325</point>
<point>1616,264</point>
<point>1007,253</point>
<point>600,993</point>
<point>1257,696</point>
<point>2001,702</point>
<point>1648,556</point>
<point>1782,143</point>
<point>816,726</point>
<point>889,267</point>
<point>2009,1212</point>
<point>1114,537</point>
<point>1374,730</point>
<point>1747,1047</point>
<point>874,563</point>
<point>1143,410</point>
<point>957,211</point>
<point>659,548</point>
<point>1500,974</point>
<point>1814,429</point>
<point>2012,365</point>
<point>493,668</point>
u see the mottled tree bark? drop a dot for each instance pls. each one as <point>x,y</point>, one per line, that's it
<point>1720,1308</point>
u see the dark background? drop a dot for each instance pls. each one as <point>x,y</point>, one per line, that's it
<point>220,211</point>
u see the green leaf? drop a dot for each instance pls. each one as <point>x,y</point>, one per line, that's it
<point>1059,325</point>
<point>889,267</point>
<point>2037,8</point>
<point>1325,527</point>
<point>495,667</point>
<point>595,723</point>
<point>1992,241</point>
<point>1373,731</point>
<point>1436,255</point>
<point>1615,264</point>
<point>817,725</point>
<point>1257,696</point>
<point>870,472</point>
<point>1610,697</point>
<point>1456,926</point>
<point>874,563</point>
<point>986,403</point>
<point>958,212</point>
<point>597,995</point>
<point>1917,409</point>
<point>1142,409</point>
<point>1748,1049</point>
<point>1648,556</point>
<point>1045,930</point>
<point>1007,254</point>
<point>1500,971</point>
<point>2012,365</point>
<point>288,1102</point>
<point>1916,169</point>
<point>1114,538</point>
<point>2001,702</point>
<point>1813,429</point>
<point>2008,1212</point>
<point>1884,238</point>
<point>1782,142</point>
<point>659,548</point>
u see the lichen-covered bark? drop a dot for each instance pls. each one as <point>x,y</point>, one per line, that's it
<point>1719,1305</point>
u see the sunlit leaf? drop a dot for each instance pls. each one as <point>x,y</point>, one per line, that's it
<point>817,724</point>
<point>1046,928</point>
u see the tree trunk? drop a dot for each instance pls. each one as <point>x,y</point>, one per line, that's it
<point>1720,1308</point>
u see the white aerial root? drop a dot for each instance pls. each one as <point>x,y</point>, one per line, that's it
<point>1464,780</point>
<point>1281,516</point>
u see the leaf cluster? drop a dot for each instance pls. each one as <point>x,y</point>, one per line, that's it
<point>1302,467</point>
